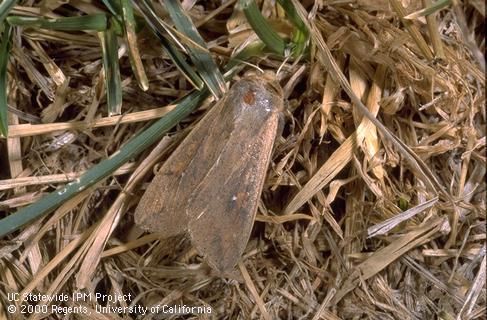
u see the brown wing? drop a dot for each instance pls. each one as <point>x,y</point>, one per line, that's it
<point>223,205</point>
<point>162,207</point>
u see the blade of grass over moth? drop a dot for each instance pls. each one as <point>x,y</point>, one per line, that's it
<point>97,22</point>
<point>5,8</point>
<point>4,53</point>
<point>202,59</point>
<point>300,35</point>
<point>113,83</point>
<point>261,27</point>
<point>133,49</point>
<point>430,9</point>
<point>157,28</point>
<point>106,167</point>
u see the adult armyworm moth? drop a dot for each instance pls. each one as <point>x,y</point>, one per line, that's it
<point>211,184</point>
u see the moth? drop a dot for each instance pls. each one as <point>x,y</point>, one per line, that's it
<point>211,184</point>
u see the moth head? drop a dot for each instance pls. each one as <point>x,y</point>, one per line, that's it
<point>266,79</point>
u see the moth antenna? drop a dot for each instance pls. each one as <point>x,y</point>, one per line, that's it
<point>246,63</point>
<point>253,66</point>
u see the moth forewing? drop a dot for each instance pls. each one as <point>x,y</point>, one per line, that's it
<point>211,185</point>
<point>161,208</point>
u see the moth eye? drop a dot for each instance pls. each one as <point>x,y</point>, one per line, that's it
<point>249,97</point>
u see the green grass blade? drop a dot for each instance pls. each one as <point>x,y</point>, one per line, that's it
<point>293,15</point>
<point>113,6</point>
<point>261,27</point>
<point>5,8</point>
<point>116,9</point>
<point>203,60</point>
<point>113,82</point>
<point>157,28</point>
<point>97,22</point>
<point>4,53</point>
<point>133,49</point>
<point>106,167</point>
<point>300,36</point>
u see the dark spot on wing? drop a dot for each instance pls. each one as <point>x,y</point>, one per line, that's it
<point>249,97</point>
<point>242,199</point>
<point>238,201</point>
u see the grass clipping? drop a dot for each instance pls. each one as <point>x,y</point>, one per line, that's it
<point>370,240</point>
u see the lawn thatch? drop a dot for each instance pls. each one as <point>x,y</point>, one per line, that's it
<point>356,221</point>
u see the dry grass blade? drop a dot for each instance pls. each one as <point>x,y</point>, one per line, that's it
<point>100,235</point>
<point>56,73</point>
<point>15,156</point>
<point>467,36</point>
<point>253,290</point>
<point>26,130</point>
<point>144,240</point>
<point>385,226</point>
<point>51,179</point>
<point>35,75</point>
<point>385,256</point>
<point>335,163</point>
<point>215,12</point>
<point>283,218</point>
<point>60,212</point>
<point>412,29</point>
<point>474,291</point>
<point>433,32</point>
<point>430,8</point>
<point>320,180</point>
<point>371,140</point>
<point>425,274</point>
